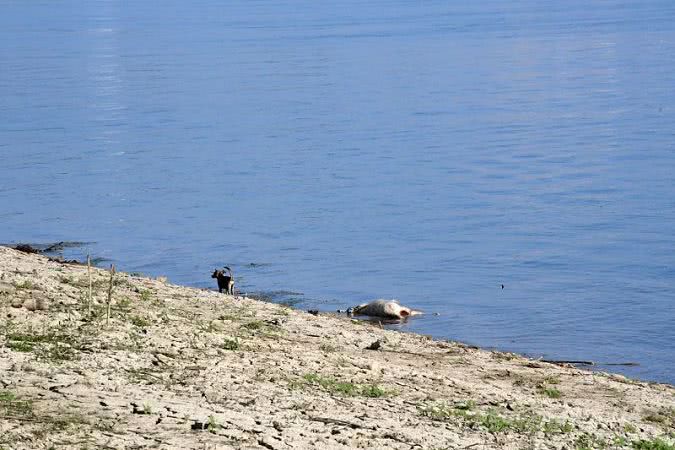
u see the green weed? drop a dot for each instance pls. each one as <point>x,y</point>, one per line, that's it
<point>656,444</point>
<point>26,284</point>
<point>328,348</point>
<point>212,425</point>
<point>550,392</point>
<point>50,346</point>
<point>347,389</point>
<point>491,420</point>
<point>139,321</point>
<point>11,405</point>
<point>664,417</point>
<point>230,344</point>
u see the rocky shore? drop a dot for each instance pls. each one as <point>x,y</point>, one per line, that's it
<point>183,368</point>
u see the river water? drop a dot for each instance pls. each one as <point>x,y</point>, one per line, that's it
<point>338,152</point>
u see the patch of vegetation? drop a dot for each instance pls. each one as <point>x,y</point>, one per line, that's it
<point>328,347</point>
<point>20,346</point>
<point>146,295</point>
<point>124,304</point>
<point>51,346</point>
<point>261,328</point>
<point>373,391</point>
<point>492,421</point>
<point>656,444</point>
<point>254,325</point>
<point>619,441</point>
<point>589,441</point>
<point>347,389</point>
<point>663,416</point>
<point>230,344</point>
<point>212,425</point>
<point>551,379</point>
<point>630,428</point>
<point>26,284</point>
<point>67,279</point>
<point>554,426</point>
<point>139,321</point>
<point>209,327</point>
<point>550,392</point>
<point>284,311</point>
<point>11,405</point>
<point>59,421</point>
<point>237,314</point>
<point>230,317</point>
<point>503,356</point>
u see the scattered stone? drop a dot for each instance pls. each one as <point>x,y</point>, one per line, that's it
<point>314,312</point>
<point>36,304</point>
<point>277,322</point>
<point>270,442</point>
<point>26,248</point>
<point>375,345</point>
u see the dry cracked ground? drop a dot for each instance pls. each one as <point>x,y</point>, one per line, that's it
<point>183,368</point>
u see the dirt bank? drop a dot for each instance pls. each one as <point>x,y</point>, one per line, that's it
<point>184,368</point>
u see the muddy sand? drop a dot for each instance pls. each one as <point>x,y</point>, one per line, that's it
<point>184,368</point>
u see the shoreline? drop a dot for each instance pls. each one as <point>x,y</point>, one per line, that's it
<point>180,367</point>
<point>54,251</point>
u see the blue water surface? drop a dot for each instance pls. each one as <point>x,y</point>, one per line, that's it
<point>426,151</point>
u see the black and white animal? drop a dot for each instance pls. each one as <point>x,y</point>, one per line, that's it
<point>225,280</point>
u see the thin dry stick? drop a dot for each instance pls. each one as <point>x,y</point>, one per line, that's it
<point>89,273</point>
<point>110,290</point>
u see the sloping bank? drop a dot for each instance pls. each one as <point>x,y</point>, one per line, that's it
<point>184,368</point>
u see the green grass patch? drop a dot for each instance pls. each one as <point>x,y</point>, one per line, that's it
<point>328,348</point>
<point>212,425</point>
<point>26,284</point>
<point>550,392</point>
<point>663,416</point>
<point>139,321</point>
<point>231,344</point>
<point>261,328</point>
<point>51,346</point>
<point>347,389</point>
<point>254,325</point>
<point>656,444</point>
<point>11,405</point>
<point>146,295</point>
<point>466,414</point>
<point>630,428</point>
<point>589,441</point>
